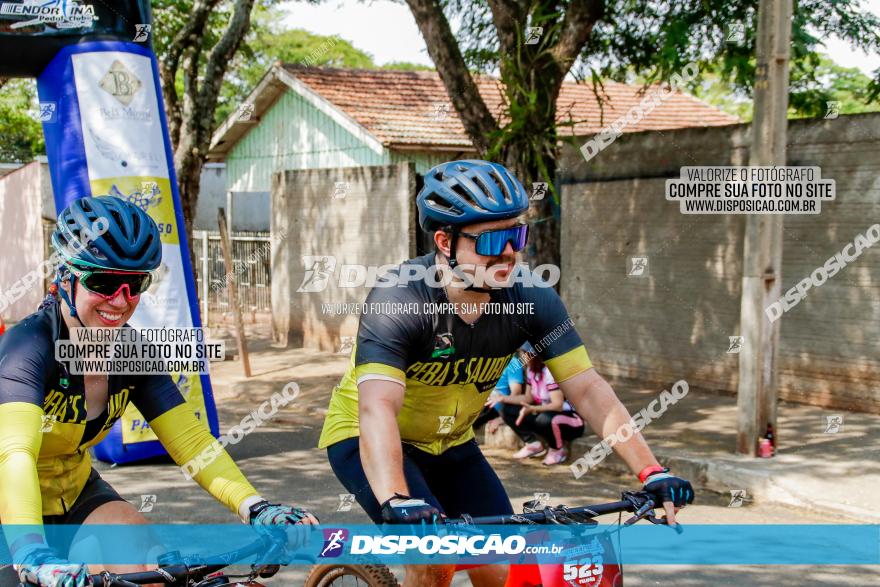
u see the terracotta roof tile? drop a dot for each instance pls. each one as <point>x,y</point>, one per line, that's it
<point>413,108</point>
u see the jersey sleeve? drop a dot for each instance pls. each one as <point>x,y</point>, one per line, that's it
<point>190,443</point>
<point>552,333</point>
<point>514,371</point>
<point>391,321</point>
<point>26,363</point>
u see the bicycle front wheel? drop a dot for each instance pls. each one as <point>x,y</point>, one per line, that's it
<point>350,576</point>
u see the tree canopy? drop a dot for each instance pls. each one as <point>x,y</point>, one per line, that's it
<point>21,137</point>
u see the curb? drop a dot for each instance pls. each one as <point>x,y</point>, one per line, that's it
<point>761,486</point>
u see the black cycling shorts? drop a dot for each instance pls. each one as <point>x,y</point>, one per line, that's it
<point>459,481</point>
<point>95,493</point>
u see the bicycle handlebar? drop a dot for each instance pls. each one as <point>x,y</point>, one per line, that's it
<point>639,503</point>
<point>191,568</point>
<point>547,514</point>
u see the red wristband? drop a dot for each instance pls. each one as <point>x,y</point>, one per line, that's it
<point>650,470</point>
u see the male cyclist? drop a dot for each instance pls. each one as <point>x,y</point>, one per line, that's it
<point>398,431</point>
<point>49,418</point>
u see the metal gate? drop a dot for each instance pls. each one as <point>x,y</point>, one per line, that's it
<point>250,269</point>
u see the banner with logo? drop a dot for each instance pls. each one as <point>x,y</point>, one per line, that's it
<point>33,31</point>
<point>106,134</point>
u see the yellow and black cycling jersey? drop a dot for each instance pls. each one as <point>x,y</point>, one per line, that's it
<point>45,434</point>
<point>448,367</point>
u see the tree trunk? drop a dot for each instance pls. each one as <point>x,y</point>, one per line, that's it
<point>543,217</point>
<point>191,120</point>
<point>532,76</point>
<point>189,178</point>
<point>532,83</point>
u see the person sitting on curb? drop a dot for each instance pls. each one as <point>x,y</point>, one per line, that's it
<point>541,417</point>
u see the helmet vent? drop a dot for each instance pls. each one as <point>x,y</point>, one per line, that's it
<point>117,217</point>
<point>484,185</point>
<point>502,185</point>
<point>463,194</point>
<point>467,197</point>
<point>442,204</point>
<point>466,192</point>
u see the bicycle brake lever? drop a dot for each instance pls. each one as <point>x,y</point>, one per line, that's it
<point>645,511</point>
<point>550,516</point>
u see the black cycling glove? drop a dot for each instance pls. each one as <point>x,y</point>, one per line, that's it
<point>665,487</point>
<point>403,509</point>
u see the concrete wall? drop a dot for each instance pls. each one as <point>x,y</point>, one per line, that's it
<point>22,196</point>
<point>212,195</point>
<point>373,224</point>
<point>251,210</point>
<point>675,322</point>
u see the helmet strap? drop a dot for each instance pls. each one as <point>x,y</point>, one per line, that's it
<point>453,231</point>
<point>71,299</point>
<point>453,264</point>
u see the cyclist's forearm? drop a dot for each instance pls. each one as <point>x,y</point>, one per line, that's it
<point>380,448</point>
<point>598,405</point>
<point>193,447</point>
<point>21,506</point>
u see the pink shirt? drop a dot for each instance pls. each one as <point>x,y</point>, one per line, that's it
<point>541,385</point>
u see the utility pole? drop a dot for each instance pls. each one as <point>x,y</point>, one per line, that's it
<point>762,251</point>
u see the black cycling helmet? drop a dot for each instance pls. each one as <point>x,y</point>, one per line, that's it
<point>467,192</point>
<point>107,233</point>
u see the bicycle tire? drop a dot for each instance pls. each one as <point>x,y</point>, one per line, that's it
<point>374,575</point>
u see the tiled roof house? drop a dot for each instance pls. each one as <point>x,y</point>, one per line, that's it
<point>310,117</point>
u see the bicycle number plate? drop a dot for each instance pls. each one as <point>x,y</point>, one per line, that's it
<point>586,571</point>
<point>592,564</point>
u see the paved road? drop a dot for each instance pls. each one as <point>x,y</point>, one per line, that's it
<point>280,460</point>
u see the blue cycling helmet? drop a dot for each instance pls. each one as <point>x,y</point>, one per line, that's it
<point>107,233</point>
<point>467,192</point>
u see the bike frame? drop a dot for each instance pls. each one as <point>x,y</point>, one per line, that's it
<point>587,569</point>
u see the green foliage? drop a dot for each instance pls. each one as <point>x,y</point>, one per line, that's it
<point>649,40</point>
<point>21,135</point>
<point>657,39</point>
<point>169,16</point>
<point>303,47</point>
<point>267,44</point>
<point>527,139</point>
<point>406,66</point>
<point>724,95</point>
<point>826,81</point>
<point>812,87</point>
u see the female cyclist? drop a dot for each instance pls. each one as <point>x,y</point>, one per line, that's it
<point>49,418</point>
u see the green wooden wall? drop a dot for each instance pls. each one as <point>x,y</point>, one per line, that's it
<point>293,134</point>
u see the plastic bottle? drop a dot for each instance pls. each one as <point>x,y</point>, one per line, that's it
<point>765,449</point>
